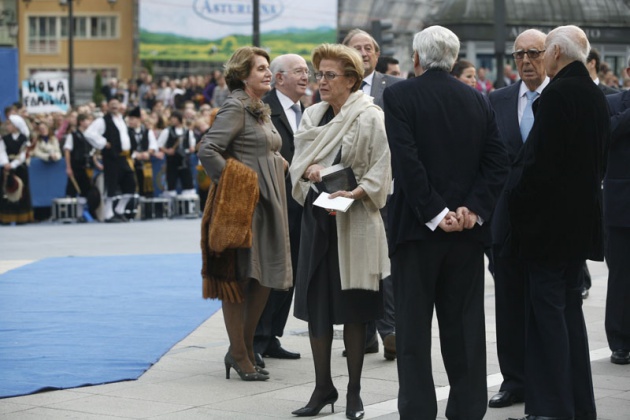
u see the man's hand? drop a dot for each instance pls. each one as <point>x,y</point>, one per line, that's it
<point>7,167</point>
<point>69,171</point>
<point>451,223</point>
<point>467,217</point>
<point>170,152</point>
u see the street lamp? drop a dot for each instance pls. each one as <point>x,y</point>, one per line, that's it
<point>70,48</point>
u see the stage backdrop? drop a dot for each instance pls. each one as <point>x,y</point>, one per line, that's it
<point>208,30</point>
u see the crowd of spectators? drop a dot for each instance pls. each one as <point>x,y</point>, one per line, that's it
<point>194,96</point>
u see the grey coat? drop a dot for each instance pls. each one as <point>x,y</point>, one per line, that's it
<point>238,133</point>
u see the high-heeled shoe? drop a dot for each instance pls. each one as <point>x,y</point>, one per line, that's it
<point>355,415</point>
<point>231,363</point>
<point>307,411</point>
<point>261,370</point>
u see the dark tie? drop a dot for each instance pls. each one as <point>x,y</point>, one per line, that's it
<point>527,121</point>
<point>298,114</point>
<point>363,83</point>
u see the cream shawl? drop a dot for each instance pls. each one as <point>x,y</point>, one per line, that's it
<point>359,130</point>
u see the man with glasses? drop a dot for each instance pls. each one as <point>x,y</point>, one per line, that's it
<point>374,83</point>
<point>290,75</point>
<point>514,117</point>
<point>555,223</point>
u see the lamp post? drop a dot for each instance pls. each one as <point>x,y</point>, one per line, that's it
<point>256,31</point>
<point>71,52</point>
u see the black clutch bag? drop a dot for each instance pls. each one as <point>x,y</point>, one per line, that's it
<point>336,178</point>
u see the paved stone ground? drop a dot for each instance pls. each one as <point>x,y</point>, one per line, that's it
<point>189,381</point>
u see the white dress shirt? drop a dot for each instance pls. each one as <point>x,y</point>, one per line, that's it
<point>367,86</point>
<point>287,103</point>
<point>161,141</point>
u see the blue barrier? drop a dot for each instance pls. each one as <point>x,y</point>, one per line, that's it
<point>47,181</point>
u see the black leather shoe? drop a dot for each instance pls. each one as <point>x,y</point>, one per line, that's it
<point>503,399</point>
<point>389,347</point>
<point>370,347</point>
<point>280,353</point>
<point>620,357</point>
<point>259,360</point>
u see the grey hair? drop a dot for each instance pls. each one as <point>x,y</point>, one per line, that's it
<point>571,41</point>
<point>526,32</point>
<point>277,65</point>
<point>437,48</point>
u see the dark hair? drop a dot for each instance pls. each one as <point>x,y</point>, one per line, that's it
<point>459,67</point>
<point>239,66</point>
<point>383,63</point>
<point>81,118</point>
<point>178,115</point>
<point>594,55</point>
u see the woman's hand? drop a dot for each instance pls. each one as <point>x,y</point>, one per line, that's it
<point>355,194</point>
<point>312,173</point>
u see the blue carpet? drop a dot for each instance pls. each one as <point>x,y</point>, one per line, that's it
<point>69,322</point>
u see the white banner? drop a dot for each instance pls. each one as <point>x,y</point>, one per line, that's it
<point>45,95</point>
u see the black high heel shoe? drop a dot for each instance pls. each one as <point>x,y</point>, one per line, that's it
<point>355,415</point>
<point>307,411</point>
<point>231,363</point>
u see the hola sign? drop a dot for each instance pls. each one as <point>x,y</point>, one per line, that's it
<point>42,96</point>
<point>236,12</point>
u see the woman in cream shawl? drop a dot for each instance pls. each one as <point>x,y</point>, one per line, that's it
<point>343,256</point>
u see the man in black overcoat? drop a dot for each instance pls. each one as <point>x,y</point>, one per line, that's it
<point>617,222</point>
<point>449,166</point>
<point>554,204</point>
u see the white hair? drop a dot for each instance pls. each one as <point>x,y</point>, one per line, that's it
<point>534,32</point>
<point>437,48</point>
<point>571,41</point>
<point>278,65</point>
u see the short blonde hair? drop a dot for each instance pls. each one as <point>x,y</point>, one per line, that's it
<point>349,58</point>
<point>240,65</point>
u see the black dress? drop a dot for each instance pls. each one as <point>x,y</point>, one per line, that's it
<point>319,299</point>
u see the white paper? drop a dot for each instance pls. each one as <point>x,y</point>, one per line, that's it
<point>337,203</point>
<point>331,169</point>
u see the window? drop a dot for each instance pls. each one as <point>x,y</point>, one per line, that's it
<point>103,27</point>
<point>80,27</point>
<point>42,35</point>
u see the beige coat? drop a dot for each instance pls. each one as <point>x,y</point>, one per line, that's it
<point>237,133</point>
<point>359,130</point>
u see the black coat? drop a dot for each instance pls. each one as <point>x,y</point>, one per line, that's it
<point>554,192</point>
<point>617,179</point>
<point>446,152</point>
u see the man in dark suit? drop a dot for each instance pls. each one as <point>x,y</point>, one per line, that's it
<point>593,62</point>
<point>512,107</point>
<point>617,222</point>
<point>289,81</point>
<point>554,204</point>
<point>449,166</point>
<point>374,84</point>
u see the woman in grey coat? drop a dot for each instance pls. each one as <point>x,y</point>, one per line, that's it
<point>243,130</point>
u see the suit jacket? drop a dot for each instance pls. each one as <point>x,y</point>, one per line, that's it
<point>554,200</point>
<point>607,89</point>
<point>379,83</point>
<point>617,179</point>
<point>446,152</point>
<point>280,121</point>
<point>505,104</point>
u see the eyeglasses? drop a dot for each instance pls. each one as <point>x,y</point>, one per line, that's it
<point>329,75</point>
<point>532,54</point>
<point>298,72</point>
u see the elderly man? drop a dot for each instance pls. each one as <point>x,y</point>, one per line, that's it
<point>616,205</point>
<point>449,168</point>
<point>374,83</point>
<point>289,81</point>
<point>515,118</point>
<point>111,135</point>
<point>554,204</point>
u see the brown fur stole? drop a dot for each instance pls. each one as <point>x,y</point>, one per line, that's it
<point>226,225</point>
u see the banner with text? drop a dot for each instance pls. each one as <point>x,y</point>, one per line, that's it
<point>208,30</point>
<point>49,95</point>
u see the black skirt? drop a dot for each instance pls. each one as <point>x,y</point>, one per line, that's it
<point>319,299</point>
